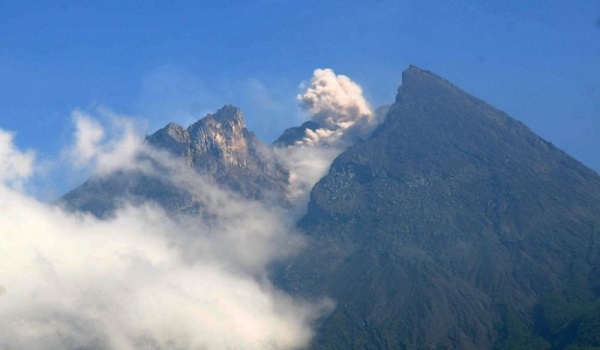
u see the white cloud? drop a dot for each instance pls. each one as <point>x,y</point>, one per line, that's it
<point>88,135</point>
<point>104,149</point>
<point>15,166</point>
<point>143,279</point>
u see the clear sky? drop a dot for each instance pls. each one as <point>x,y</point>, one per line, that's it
<point>167,61</point>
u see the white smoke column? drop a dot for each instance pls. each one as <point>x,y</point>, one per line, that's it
<point>337,104</point>
<point>142,279</point>
<point>307,162</point>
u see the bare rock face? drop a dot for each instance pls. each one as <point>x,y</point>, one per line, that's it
<point>218,147</point>
<point>172,138</point>
<point>222,137</point>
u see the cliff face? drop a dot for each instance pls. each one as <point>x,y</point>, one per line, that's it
<point>449,228</point>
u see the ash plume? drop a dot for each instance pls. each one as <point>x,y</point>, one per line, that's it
<point>337,105</point>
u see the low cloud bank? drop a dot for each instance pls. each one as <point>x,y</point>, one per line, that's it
<point>147,279</point>
<point>142,279</point>
<point>15,166</point>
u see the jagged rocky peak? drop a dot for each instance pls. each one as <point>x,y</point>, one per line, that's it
<point>228,116</point>
<point>171,131</point>
<point>177,132</point>
<point>172,137</point>
<point>229,120</point>
<point>223,135</point>
<point>218,147</point>
<point>219,144</point>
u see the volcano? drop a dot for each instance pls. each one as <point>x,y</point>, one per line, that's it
<point>452,227</point>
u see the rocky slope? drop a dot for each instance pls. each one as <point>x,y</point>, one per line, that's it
<point>451,228</point>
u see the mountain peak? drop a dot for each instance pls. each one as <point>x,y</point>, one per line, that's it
<point>218,146</point>
<point>173,137</point>
<point>176,131</point>
<point>229,115</point>
<point>222,134</point>
<point>419,84</point>
<point>413,73</point>
<point>452,211</point>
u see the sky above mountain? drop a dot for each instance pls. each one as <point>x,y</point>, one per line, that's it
<point>167,61</point>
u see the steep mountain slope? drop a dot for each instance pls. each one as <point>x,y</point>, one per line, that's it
<point>218,147</point>
<point>451,227</point>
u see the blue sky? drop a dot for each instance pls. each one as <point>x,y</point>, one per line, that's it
<point>175,61</point>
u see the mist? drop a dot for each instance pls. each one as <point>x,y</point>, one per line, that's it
<point>145,277</point>
<point>142,278</point>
